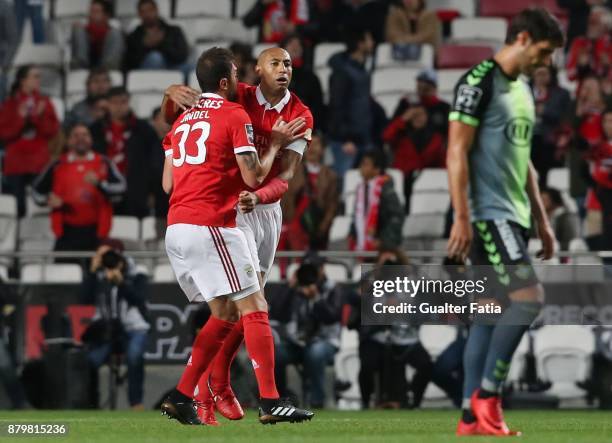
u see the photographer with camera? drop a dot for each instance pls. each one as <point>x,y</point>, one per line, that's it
<point>119,327</point>
<point>306,319</point>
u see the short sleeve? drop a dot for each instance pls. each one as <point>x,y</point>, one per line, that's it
<point>473,94</point>
<point>241,132</point>
<point>167,145</point>
<point>300,145</point>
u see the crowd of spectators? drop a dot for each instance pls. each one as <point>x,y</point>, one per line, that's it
<point>102,160</point>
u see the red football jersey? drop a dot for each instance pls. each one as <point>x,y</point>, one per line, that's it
<point>264,116</point>
<point>203,143</point>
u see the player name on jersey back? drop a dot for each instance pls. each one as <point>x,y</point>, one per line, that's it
<point>203,142</point>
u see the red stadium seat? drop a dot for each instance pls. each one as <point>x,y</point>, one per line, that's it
<point>508,9</point>
<point>462,56</point>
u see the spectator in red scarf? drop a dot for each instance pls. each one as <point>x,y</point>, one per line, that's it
<point>427,96</point>
<point>133,146</point>
<point>276,18</point>
<point>600,193</point>
<point>592,54</point>
<point>311,202</point>
<point>27,124</point>
<point>78,187</point>
<point>588,133</point>
<point>416,144</point>
<point>379,216</point>
<point>97,43</point>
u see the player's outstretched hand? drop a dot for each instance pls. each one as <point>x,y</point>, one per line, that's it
<point>460,240</point>
<point>247,201</point>
<point>284,133</point>
<point>184,96</point>
<point>547,236</point>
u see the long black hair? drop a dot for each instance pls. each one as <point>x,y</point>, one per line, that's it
<point>22,73</point>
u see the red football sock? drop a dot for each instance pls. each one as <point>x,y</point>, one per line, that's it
<point>220,373</point>
<point>205,347</point>
<point>260,347</point>
<point>203,391</point>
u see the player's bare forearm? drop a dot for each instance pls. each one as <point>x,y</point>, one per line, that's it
<point>291,160</point>
<point>177,98</point>
<point>461,137</point>
<point>248,164</point>
<point>167,175</point>
<point>533,192</point>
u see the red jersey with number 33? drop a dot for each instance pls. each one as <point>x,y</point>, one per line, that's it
<point>203,143</point>
<point>263,116</point>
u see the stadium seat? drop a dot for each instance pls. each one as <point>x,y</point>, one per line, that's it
<point>340,228</point>
<point>559,178</point>
<point>59,107</point>
<point>76,81</point>
<point>127,229</point>
<point>422,226</point>
<point>508,9</point>
<point>260,47</point>
<point>274,276</point>
<point>436,338</point>
<point>222,29</point>
<point>429,202</point>
<point>8,225</point>
<point>244,6</point>
<point>467,8</point>
<point>479,28</point>
<point>431,179</point>
<point>517,365</point>
<point>384,58</point>
<point>71,8</point>
<point>336,272</point>
<point>148,228</point>
<point>356,274</point>
<point>152,80</point>
<point>347,364</point>
<point>566,83</point>
<point>35,228</point>
<point>4,275</point>
<point>163,273</point>
<point>323,74</point>
<point>447,80</point>
<point>323,51</point>
<point>210,8</point>
<point>41,55</point>
<point>394,80</point>
<point>144,103</point>
<point>205,46</point>
<point>389,102</point>
<point>452,56</point>
<point>563,354</point>
<point>51,273</point>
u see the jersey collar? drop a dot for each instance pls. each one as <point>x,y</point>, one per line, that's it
<point>72,157</point>
<point>279,106</point>
<point>211,95</point>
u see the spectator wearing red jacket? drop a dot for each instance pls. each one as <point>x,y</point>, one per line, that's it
<point>592,54</point>
<point>78,188</point>
<point>27,124</point>
<point>415,144</point>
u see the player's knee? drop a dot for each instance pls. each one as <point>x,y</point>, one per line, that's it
<point>253,303</point>
<point>531,294</point>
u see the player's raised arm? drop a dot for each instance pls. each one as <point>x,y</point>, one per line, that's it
<point>177,98</point>
<point>253,169</point>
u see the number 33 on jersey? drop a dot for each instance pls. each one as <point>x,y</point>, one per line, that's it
<point>203,143</point>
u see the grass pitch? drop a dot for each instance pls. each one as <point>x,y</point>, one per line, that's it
<point>428,426</point>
